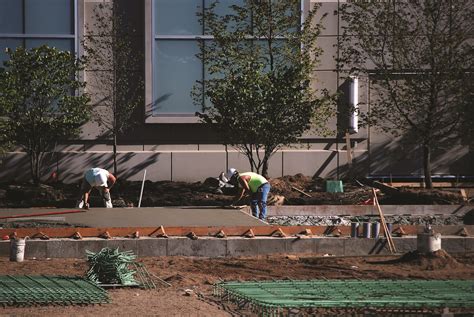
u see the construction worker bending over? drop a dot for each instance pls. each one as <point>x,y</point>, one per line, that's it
<point>101,179</point>
<point>256,186</point>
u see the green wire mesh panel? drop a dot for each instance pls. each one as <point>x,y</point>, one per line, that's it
<point>110,268</point>
<point>44,290</point>
<point>405,294</point>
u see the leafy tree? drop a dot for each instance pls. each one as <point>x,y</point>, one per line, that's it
<point>113,69</point>
<point>40,98</point>
<point>258,94</point>
<point>418,55</point>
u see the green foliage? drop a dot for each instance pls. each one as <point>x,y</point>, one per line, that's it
<point>258,92</point>
<point>114,71</point>
<point>418,55</point>
<point>41,101</point>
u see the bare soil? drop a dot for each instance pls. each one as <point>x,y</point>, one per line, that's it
<point>199,274</point>
<point>285,190</point>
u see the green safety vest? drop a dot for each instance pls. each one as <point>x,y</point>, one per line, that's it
<point>256,180</point>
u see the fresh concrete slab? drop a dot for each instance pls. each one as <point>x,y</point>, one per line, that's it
<point>149,217</point>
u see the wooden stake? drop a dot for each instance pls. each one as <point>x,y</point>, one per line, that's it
<point>388,234</point>
<point>300,191</point>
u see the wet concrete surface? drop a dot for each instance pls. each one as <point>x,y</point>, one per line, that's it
<point>144,217</point>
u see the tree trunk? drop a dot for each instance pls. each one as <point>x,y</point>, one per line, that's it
<point>427,166</point>
<point>265,167</point>
<point>115,155</point>
<point>32,167</point>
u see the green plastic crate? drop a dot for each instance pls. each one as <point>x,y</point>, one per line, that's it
<point>334,187</point>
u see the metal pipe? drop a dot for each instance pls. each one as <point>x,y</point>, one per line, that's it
<point>141,191</point>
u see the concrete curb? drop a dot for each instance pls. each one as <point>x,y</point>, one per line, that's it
<point>230,247</point>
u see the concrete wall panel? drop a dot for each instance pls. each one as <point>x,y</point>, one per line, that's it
<point>63,248</point>
<point>36,249</point>
<point>311,163</point>
<point>152,247</point>
<point>331,246</point>
<point>272,245</point>
<point>72,165</point>
<point>189,166</point>
<point>131,165</point>
<point>199,247</point>
<point>303,245</point>
<point>242,247</point>
<point>453,244</point>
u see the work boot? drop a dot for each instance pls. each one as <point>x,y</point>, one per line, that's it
<point>108,203</point>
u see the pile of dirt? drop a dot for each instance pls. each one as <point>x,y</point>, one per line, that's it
<point>429,261</point>
<point>288,190</point>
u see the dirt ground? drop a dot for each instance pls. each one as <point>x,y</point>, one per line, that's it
<point>285,190</point>
<point>199,274</point>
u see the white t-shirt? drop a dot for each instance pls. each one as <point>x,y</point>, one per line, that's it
<point>97,177</point>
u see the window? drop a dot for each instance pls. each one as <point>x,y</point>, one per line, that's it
<point>175,68</point>
<point>32,23</point>
<point>176,30</point>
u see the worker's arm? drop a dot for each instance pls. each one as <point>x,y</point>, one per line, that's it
<point>243,181</point>
<point>86,199</point>
<point>111,180</point>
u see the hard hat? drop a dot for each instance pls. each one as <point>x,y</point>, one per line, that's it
<point>230,172</point>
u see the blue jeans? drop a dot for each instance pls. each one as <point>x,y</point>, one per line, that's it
<point>259,201</point>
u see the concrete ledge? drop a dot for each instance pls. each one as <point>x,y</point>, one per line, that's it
<point>230,247</point>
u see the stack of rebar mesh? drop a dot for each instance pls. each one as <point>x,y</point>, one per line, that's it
<point>110,267</point>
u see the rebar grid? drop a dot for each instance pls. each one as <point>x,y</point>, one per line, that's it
<point>44,290</point>
<point>270,297</point>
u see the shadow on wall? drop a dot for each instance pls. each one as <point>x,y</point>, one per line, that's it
<point>71,166</point>
<point>402,157</point>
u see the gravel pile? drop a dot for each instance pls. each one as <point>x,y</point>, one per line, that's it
<point>346,220</point>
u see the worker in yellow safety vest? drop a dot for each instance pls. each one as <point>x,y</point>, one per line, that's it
<point>256,186</point>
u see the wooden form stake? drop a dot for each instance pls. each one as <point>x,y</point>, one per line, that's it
<point>388,234</point>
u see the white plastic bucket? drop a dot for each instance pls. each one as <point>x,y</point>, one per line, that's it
<point>428,242</point>
<point>17,250</point>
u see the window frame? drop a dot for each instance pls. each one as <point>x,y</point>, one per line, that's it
<point>150,64</point>
<point>25,36</point>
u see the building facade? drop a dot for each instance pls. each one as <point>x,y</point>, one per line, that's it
<point>169,141</point>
